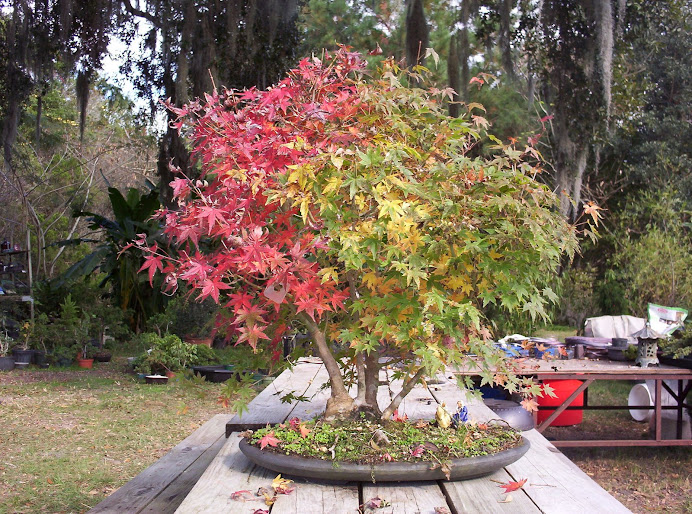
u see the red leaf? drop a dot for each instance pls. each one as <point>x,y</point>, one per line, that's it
<point>417,451</point>
<point>152,263</point>
<point>397,417</point>
<point>513,486</point>
<point>243,496</point>
<point>269,440</point>
<point>376,51</point>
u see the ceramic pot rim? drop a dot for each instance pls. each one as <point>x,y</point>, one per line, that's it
<point>460,469</point>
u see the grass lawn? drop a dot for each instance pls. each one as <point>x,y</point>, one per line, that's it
<point>70,438</point>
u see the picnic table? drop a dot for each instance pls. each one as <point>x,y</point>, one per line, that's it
<point>554,483</point>
<point>589,371</point>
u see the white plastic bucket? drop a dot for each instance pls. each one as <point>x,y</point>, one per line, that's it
<point>640,396</point>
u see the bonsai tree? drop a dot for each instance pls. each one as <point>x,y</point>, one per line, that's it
<point>165,353</point>
<point>358,209</point>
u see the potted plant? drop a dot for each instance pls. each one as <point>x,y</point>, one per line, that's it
<point>85,357</point>
<point>367,216</point>
<point>23,355</point>
<point>166,354</point>
<point>6,361</point>
<point>676,350</point>
<point>192,321</point>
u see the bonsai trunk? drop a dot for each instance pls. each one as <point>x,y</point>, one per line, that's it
<point>340,404</point>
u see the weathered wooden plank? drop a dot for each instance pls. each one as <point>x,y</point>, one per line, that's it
<point>406,497</point>
<point>318,397</point>
<point>314,497</point>
<point>266,406</point>
<point>556,485</point>
<point>145,487</point>
<point>484,495</point>
<point>229,472</point>
<point>173,495</point>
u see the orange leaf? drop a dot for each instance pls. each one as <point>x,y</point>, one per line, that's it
<point>304,431</point>
<point>513,486</point>
<point>529,404</point>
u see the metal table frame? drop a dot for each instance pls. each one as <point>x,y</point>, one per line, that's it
<point>590,371</point>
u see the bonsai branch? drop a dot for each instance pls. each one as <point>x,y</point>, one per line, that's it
<point>396,401</point>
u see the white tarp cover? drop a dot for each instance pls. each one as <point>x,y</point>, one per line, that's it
<point>613,326</point>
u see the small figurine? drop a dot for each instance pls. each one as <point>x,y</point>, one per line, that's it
<point>461,416</point>
<point>444,419</point>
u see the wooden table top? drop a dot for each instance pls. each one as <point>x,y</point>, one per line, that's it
<point>528,366</point>
<point>554,484</point>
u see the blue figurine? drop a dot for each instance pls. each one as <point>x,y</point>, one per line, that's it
<point>461,416</point>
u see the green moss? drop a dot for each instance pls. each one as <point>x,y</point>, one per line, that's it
<point>356,441</point>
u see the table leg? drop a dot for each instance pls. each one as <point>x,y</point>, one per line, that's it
<point>657,402</point>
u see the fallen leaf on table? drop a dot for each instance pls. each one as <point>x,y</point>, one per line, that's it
<point>513,486</point>
<point>507,499</point>
<point>374,504</point>
<point>260,511</point>
<point>280,485</point>
<point>442,510</point>
<point>243,496</point>
<point>269,440</point>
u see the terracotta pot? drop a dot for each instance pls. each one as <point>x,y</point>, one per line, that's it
<point>206,341</point>
<point>85,363</point>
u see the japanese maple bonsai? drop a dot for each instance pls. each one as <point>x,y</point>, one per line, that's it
<point>358,209</point>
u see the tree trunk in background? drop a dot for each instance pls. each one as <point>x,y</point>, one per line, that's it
<point>506,38</point>
<point>453,74</point>
<point>464,49</point>
<point>417,32</point>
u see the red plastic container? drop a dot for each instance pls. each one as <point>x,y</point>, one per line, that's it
<point>563,389</point>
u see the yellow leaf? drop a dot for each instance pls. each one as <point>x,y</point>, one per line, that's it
<point>333,184</point>
<point>304,209</point>
<point>337,161</point>
<point>280,483</point>
<point>329,274</point>
<point>371,280</point>
<point>494,255</point>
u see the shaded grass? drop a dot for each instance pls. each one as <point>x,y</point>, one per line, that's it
<point>66,444</point>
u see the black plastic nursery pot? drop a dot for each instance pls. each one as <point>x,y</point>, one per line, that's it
<point>23,356</point>
<point>6,363</point>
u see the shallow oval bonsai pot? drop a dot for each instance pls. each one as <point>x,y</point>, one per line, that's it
<point>460,469</point>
